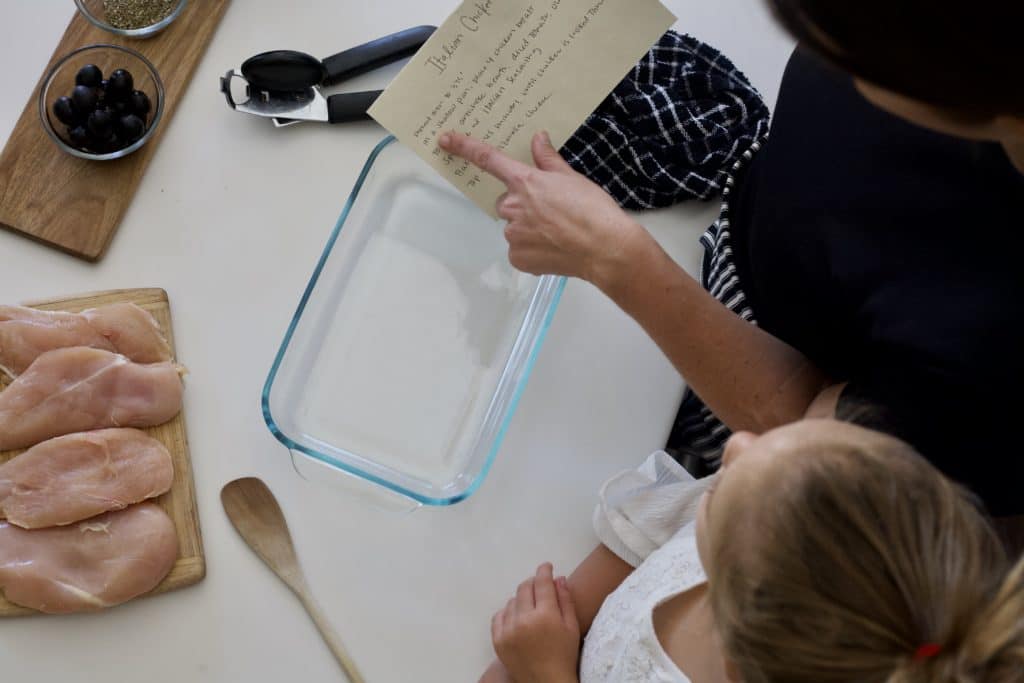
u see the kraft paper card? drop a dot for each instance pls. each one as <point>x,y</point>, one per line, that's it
<point>502,70</point>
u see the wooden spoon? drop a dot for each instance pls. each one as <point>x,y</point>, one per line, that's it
<point>258,519</point>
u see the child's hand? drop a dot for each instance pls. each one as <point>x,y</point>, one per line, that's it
<point>537,636</point>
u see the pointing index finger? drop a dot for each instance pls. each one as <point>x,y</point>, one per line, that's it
<point>482,155</point>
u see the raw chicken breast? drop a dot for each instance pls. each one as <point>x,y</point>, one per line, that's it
<point>88,566</point>
<point>135,333</point>
<point>25,333</point>
<point>80,389</point>
<point>71,478</point>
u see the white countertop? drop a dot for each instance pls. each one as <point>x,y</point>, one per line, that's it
<point>230,219</point>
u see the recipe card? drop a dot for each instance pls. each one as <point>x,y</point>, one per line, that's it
<point>502,70</point>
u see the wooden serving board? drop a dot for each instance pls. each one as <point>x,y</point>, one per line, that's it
<point>74,204</point>
<point>180,501</point>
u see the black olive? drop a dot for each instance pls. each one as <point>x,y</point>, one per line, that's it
<point>78,136</point>
<point>113,143</point>
<point>89,75</point>
<point>117,108</point>
<point>132,128</point>
<point>101,144</point>
<point>101,93</point>
<point>100,124</point>
<point>84,98</point>
<point>140,103</point>
<point>119,85</point>
<point>124,76</point>
<point>64,110</point>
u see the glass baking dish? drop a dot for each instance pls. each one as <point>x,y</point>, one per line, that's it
<point>412,342</point>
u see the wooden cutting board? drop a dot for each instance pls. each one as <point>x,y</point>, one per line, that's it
<point>180,501</point>
<point>74,204</point>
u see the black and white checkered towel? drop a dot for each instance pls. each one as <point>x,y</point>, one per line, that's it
<point>672,129</point>
<point>682,125</point>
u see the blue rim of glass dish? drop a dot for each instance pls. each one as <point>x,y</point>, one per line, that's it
<point>350,469</point>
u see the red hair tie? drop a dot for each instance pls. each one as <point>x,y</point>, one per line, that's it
<point>927,651</point>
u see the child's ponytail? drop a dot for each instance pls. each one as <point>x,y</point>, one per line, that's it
<point>993,649</point>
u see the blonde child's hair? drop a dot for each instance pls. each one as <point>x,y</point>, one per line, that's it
<point>868,565</point>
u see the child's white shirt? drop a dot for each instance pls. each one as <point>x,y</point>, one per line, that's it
<point>648,518</point>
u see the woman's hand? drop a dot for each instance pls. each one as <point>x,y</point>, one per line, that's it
<point>559,222</point>
<point>537,636</point>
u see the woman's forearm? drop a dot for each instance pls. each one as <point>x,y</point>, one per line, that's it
<point>560,222</point>
<point>748,378</point>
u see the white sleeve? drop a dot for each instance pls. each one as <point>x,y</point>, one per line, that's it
<point>641,509</point>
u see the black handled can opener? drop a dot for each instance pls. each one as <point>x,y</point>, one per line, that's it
<point>285,85</point>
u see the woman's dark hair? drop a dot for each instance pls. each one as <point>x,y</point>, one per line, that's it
<point>968,56</point>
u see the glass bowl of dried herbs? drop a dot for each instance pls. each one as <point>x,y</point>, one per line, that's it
<point>131,18</point>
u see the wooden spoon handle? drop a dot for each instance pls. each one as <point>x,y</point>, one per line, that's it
<point>331,637</point>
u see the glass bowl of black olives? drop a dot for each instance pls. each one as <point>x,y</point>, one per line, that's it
<point>101,102</point>
<point>131,18</point>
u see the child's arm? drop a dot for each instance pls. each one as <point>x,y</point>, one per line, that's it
<point>496,673</point>
<point>592,581</point>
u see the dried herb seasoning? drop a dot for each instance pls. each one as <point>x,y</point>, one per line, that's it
<point>132,14</point>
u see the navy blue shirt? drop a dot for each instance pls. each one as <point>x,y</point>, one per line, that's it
<point>892,256</point>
